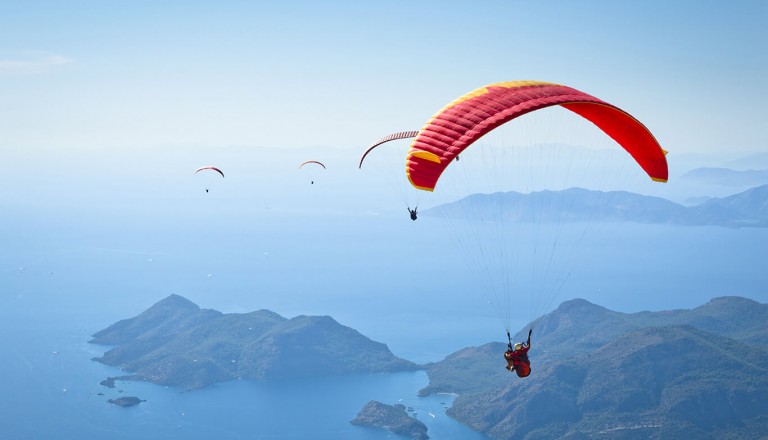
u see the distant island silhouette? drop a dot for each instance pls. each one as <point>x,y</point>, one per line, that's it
<point>745,209</point>
<point>126,401</point>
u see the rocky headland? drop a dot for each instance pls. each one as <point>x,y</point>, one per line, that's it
<point>393,418</point>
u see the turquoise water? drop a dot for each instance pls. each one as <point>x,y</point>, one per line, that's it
<point>57,291</point>
<point>52,388</point>
<point>59,284</point>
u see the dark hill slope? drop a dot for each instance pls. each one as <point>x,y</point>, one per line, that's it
<point>578,326</point>
<point>166,316</point>
<point>176,343</point>
<point>658,382</point>
<point>591,363</point>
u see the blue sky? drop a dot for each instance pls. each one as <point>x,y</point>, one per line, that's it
<point>149,74</point>
<point>107,108</point>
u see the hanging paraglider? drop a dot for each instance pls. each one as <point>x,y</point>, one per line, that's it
<point>395,178</point>
<point>517,356</point>
<point>312,163</point>
<point>211,168</point>
<point>456,127</point>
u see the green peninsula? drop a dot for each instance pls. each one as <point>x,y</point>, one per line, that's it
<point>176,343</point>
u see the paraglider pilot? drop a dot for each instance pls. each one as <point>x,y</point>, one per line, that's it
<point>413,212</point>
<point>517,357</point>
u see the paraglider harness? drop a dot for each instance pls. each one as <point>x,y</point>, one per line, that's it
<point>517,361</point>
<point>413,212</point>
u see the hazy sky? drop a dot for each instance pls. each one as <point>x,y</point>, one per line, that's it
<point>107,107</point>
<point>149,74</point>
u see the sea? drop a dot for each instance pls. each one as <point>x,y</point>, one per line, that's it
<point>391,279</point>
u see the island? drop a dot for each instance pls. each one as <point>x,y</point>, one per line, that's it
<point>699,373</point>
<point>393,418</point>
<point>126,401</point>
<point>109,382</point>
<point>176,343</point>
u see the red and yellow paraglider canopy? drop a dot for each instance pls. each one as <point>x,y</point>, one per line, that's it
<point>467,119</point>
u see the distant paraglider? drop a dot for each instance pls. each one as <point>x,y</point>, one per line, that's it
<point>391,171</point>
<point>312,163</point>
<point>208,167</point>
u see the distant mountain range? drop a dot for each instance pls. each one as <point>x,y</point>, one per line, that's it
<point>176,343</point>
<point>680,374</point>
<point>745,209</point>
<point>727,177</point>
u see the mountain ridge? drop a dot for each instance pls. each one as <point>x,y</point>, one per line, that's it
<point>727,176</point>
<point>745,209</point>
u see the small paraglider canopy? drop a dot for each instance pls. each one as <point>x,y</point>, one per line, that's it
<point>383,167</point>
<point>208,167</point>
<point>385,139</point>
<point>312,164</point>
<point>311,161</point>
